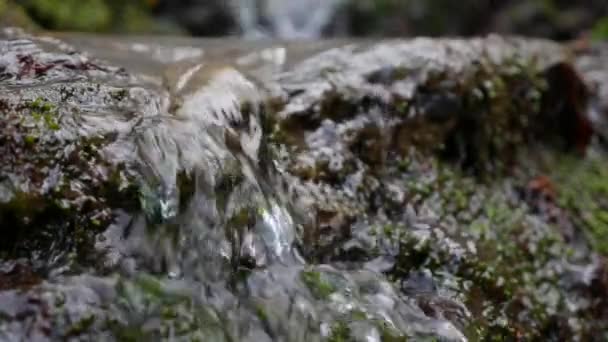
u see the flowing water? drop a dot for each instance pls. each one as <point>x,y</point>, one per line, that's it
<point>214,241</point>
<point>293,19</point>
<point>227,234</point>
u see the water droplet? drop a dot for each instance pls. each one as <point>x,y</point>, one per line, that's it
<point>174,272</point>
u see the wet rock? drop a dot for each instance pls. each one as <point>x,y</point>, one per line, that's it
<point>59,187</point>
<point>18,274</point>
<point>354,120</point>
<point>378,190</point>
<point>589,64</point>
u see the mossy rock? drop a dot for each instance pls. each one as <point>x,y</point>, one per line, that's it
<point>59,189</point>
<point>419,188</point>
<point>583,191</point>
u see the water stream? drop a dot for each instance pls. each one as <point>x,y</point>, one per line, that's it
<point>304,19</point>
<point>212,253</point>
<point>217,228</point>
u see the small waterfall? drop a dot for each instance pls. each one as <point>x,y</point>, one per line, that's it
<point>286,19</point>
<point>207,246</point>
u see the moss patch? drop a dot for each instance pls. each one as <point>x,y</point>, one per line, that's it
<point>340,332</point>
<point>583,190</point>
<point>57,193</point>
<point>320,287</point>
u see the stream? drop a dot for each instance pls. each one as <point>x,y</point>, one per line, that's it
<point>224,190</point>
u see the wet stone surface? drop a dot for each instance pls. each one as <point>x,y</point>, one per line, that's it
<point>445,190</point>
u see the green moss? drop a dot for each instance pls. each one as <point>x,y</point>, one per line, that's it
<point>261,312</point>
<point>388,334</point>
<point>340,332</point>
<point>80,204</point>
<point>402,107</point>
<point>419,187</point>
<point>178,316</point>
<point>509,267</point>
<point>129,334</point>
<point>120,95</point>
<point>45,112</point>
<point>320,287</point>
<point>150,285</point>
<point>51,122</point>
<point>583,190</point>
<point>81,326</point>
<point>30,140</point>
<point>414,255</point>
<point>513,251</point>
<point>498,105</point>
<point>389,230</point>
<point>358,315</point>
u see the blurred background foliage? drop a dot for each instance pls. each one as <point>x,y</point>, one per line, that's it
<point>556,19</point>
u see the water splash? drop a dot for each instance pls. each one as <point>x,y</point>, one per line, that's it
<point>276,229</point>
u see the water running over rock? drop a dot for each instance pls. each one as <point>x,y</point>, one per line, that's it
<point>292,192</point>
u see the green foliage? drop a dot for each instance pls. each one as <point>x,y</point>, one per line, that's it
<point>600,29</point>
<point>93,15</point>
<point>81,15</point>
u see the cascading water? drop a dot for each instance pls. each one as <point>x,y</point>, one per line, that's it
<point>238,222</point>
<point>286,19</point>
<point>210,253</point>
<point>270,191</point>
